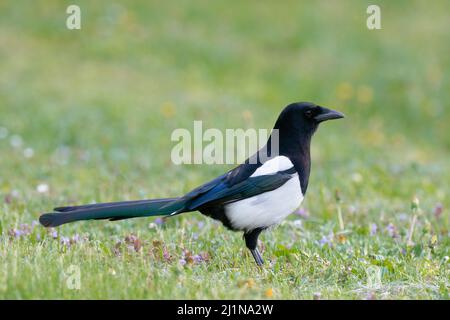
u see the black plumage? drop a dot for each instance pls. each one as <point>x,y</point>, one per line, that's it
<point>249,198</point>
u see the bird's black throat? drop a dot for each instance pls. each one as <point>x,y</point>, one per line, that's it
<point>297,147</point>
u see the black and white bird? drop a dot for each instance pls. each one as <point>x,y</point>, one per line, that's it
<point>252,197</point>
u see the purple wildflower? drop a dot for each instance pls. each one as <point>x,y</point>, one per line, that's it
<point>159,221</point>
<point>197,258</point>
<point>25,228</point>
<point>182,262</point>
<point>392,230</point>
<point>327,240</point>
<point>75,239</point>
<point>17,233</point>
<point>302,212</point>
<point>54,233</point>
<point>200,224</point>
<point>166,255</point>
<point>373,229</point>
<point>65,241</point>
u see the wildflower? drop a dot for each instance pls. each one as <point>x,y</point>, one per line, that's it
<point>133,242</point>
<point>182,262</point>
<point>28,153</point>
<point>200,224</point>
<point>42,188</point>
<point>166,255</point>
<point>269,293</point>
<point>159,221</point>
<point>75,239</point>
<point>297,223</point>
<point>302,212</point>
<point>26,229</point>
<point>54,233</point>
<point>65,241</point>
<point>197,258</point>
<point>327,240</point>
<point>438,210</point>
<point>373,229</point>
<point>15,233</point>
<point>23,230</point>
<point>392,230</point>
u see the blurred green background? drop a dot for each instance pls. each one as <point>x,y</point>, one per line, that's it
<point>89,113</point>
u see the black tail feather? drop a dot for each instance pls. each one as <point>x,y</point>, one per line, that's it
<point>109,204</point>
<point>112,211</point>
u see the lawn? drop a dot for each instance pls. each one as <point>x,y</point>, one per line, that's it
<point>87,115</point>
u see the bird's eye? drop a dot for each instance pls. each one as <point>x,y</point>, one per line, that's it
<point>308,113</point>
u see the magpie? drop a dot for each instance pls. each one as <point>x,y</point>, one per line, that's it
<point>252,197</point>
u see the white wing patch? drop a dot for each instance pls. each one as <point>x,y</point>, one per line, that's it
<point>273,166</point>
<point>266,209</point>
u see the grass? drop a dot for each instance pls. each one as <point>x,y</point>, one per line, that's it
<point>89,114</point>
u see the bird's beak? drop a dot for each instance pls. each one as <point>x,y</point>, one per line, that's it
<point>328,114</point>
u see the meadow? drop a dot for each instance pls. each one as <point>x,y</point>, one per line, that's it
<point>86,115</point>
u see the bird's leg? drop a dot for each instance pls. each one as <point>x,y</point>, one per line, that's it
<point>251,241</point>
<point>257,256</point>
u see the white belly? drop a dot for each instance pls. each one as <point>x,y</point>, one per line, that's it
<point>266,209</point>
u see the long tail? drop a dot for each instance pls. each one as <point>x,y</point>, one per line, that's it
<point>112,211</point>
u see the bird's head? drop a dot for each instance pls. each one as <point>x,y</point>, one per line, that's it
<point>303,118</point>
